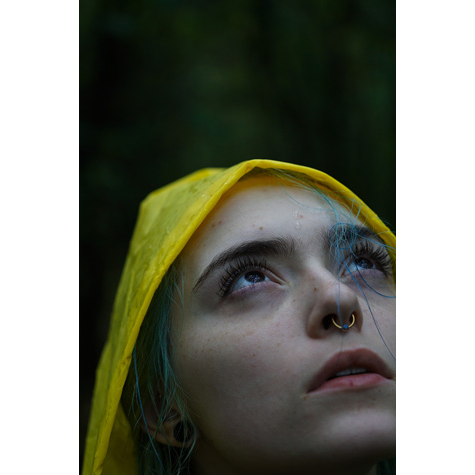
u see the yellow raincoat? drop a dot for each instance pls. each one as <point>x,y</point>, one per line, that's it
<point>167,219</point>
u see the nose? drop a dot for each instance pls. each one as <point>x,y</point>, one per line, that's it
<point>332,305</point>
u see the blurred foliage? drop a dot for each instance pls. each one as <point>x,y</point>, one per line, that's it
<point>170,86</point>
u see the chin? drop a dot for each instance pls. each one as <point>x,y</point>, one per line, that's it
<point>372,441</point>
<point>360,457</point>
<point>364,439</point>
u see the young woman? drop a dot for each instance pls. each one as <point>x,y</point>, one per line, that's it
<point>253,332</point>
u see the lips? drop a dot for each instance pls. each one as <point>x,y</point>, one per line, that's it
<point>354,368</point>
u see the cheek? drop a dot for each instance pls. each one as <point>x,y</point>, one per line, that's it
<point>389,315</point>
<point>217,363</point>
<point>381,320</point>
<point>233,377</point>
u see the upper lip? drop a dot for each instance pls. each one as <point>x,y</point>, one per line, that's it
<point>359,358</point>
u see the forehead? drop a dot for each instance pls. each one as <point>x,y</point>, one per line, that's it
<point>262,207</point>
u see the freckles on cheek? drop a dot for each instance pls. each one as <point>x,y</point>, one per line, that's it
<point>224,364</point>
<point>237,376</point>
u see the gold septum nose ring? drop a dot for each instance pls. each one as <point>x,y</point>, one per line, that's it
<point>345,327</point>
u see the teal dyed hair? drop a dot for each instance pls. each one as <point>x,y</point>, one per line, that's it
<point>152,388</point>
<point>342,236</point>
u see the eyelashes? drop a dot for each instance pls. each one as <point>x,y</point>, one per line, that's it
<point>367,255</point>
<point>249,271</point>
<point>238,269</point>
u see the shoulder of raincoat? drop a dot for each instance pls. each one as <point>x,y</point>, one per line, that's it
<point>167,219</point>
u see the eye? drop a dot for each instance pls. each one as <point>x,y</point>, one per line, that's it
<point>249,278</point>
<point>360,263</point>
<point>367,255</point>
<point>246,272</point>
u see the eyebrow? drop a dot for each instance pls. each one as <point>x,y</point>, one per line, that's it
<point>280,246</point>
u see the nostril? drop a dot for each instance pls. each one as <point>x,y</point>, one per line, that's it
<point>327,321</point>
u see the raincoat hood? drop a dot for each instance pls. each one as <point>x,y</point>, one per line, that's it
<point>167,219</point>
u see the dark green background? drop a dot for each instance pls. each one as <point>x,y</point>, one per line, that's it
<point>167,87</point>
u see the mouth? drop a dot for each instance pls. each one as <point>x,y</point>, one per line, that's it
<point>348,372</point>
<point>354,369</point>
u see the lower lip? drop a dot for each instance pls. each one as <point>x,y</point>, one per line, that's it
<point>354,381</point>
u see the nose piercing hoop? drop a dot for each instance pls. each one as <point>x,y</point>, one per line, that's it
<point>345,327</point>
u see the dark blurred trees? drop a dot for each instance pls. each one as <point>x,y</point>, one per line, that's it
<point>168,87</point>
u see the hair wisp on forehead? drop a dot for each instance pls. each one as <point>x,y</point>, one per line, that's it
<point>344,214</point>
<point>349,238</point>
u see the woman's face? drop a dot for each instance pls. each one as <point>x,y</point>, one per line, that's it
<point>257,346</point>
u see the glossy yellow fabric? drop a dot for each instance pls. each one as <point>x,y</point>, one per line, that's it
<point>167,219</point>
